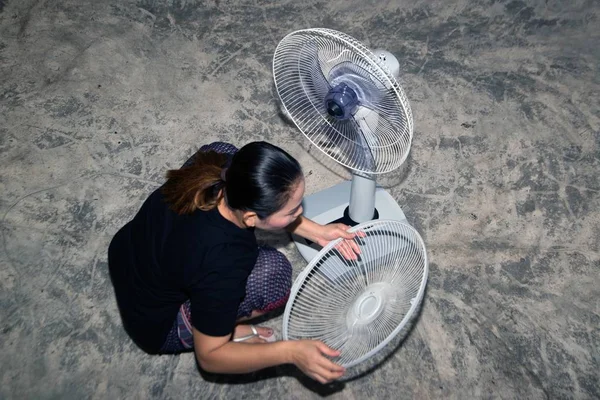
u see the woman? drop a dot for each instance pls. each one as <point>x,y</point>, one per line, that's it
<point>187,269</point>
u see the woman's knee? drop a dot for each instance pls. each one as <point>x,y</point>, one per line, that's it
<point>219,147</point>
<point>275,268</point>
<point>268,286</point>
<point>269,283</point>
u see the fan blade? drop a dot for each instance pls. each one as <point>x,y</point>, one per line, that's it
<point>347,140</point>
<point>354,144</point>
<point>317,85</point>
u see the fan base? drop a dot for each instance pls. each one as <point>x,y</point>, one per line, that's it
<point>329,205</point>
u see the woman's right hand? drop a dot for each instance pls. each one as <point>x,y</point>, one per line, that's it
<point>309,357</point>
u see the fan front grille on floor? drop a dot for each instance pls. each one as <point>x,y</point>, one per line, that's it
<point>358,306</point>
<point>308,64</point>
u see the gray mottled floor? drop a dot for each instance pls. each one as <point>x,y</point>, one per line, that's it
<point>99,98</point>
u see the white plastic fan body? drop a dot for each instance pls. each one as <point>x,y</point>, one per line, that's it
<point>346,100</point>
<point>359,306</point>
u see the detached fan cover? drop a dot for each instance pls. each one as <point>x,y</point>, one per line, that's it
<point>359,306</point>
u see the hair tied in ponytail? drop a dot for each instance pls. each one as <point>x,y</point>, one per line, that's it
<point>260,178</point>
<point>195,186</point>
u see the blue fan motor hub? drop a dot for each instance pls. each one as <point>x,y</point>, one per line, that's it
<point>341,102</point>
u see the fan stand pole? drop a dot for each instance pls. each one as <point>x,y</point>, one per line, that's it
<point>331,205</point>
<point>362,198</point>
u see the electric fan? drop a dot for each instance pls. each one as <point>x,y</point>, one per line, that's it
<point>359,306</point>
<point>346,100</point>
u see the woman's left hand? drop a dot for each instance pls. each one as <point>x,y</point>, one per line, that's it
<point>348,247</point>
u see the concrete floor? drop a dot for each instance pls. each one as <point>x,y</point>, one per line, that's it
<point>98,98</point>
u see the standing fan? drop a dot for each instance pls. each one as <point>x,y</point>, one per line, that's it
<point>346,100</point>
<point>359,306</point>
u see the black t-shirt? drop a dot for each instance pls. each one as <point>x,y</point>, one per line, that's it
<point>161,259</point>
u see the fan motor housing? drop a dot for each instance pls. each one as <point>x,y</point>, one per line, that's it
<point>341,102</point>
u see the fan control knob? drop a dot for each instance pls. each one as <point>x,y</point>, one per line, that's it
<point>390,61</point>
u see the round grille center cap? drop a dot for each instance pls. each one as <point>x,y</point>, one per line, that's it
<point>368,305</point>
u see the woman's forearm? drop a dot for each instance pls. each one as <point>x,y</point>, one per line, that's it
<point>306,228</point>
<point>241,358</point>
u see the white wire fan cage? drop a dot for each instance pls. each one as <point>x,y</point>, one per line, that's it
<point>310,64</point>
<point>359,306</point>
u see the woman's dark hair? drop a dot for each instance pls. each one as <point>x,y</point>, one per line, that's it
<point>261,178</point>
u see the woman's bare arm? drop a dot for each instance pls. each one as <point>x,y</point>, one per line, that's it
<point>220,355</point>
<point>306,228</point>
<point>323,234</point>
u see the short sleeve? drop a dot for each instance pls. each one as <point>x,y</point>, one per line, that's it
<point>215,297</point>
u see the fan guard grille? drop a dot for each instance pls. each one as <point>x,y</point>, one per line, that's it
<point>375,141</point>
<point>358,306</point>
